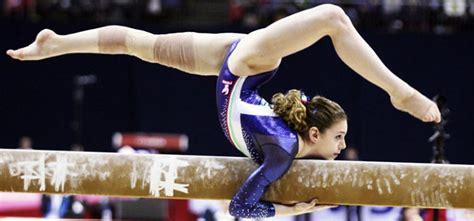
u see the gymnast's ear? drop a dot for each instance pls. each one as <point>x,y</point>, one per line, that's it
<point>313,134</point>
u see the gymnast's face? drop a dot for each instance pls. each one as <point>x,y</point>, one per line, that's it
<point>328,145</point>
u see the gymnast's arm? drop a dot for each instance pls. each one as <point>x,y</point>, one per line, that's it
<point>195,53</point>
<point>247,204</point>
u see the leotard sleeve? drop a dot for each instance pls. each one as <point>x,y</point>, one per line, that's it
<point>247,201</point>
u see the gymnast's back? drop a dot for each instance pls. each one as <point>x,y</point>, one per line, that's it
<point>251,126</point>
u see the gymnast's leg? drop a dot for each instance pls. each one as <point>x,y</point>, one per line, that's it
<point>195,53</point>
<point>263,49</point>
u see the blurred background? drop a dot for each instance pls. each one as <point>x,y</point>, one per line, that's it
<point>78,102</point>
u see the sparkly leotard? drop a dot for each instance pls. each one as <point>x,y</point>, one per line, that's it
<point>252,127</point>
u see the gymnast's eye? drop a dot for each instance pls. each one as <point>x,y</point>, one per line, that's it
<point>338,137</point>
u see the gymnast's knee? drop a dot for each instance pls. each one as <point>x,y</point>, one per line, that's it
<point>334,17</point>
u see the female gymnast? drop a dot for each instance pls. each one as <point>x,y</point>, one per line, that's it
<point>293,126</point>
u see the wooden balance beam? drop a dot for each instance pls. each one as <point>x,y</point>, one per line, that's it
<point>218,178</point>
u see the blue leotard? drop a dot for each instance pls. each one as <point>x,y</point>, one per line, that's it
<point>252,127</point>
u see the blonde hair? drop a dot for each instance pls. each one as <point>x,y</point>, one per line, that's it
<point>300,115</point>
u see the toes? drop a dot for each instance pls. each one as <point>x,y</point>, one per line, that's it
<point>437,118</point>
<point>16,54</point>
<point>429,117</point>
<point>13,53</point>
<point>435,115</point>
<point>432,117</point>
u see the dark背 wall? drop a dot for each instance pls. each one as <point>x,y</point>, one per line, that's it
<point>131,95</point>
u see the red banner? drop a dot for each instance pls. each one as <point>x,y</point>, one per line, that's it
<point>165,142</point>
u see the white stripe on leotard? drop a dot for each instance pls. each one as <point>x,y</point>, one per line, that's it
<point>238,107</point>
<point>255,110</point>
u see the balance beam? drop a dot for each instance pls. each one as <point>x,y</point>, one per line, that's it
<point>210,177</point>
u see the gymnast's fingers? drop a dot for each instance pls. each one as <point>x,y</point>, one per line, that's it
<point>324,206</point>
<point>304,206</point>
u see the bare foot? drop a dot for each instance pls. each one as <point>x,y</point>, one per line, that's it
<point>418,106</point>
<point>43,47</point>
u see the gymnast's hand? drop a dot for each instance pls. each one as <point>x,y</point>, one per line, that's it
<point>300,208</point>
<point>43,47</point>
<point>304,207</point>
<point>418,106</point>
